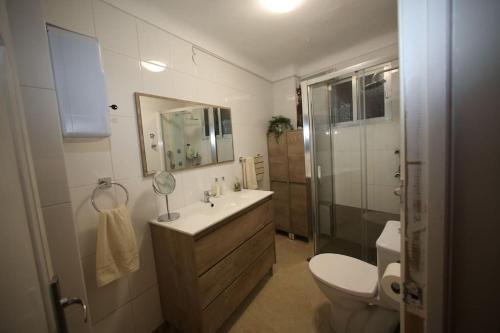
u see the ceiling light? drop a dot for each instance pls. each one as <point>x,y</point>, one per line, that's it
<point>280,6</point>
<point>154,66</point>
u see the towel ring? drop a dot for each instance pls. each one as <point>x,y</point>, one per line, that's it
<point>104,183</point>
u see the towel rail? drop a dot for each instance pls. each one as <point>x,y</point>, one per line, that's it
<point>259,168</point>
<point>105,183</point>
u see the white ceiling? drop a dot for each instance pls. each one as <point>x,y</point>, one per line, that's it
<point>273,44</point>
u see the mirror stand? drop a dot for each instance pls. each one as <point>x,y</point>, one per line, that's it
<point>168,217</point>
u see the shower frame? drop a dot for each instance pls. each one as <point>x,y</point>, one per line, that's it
<point>309,144</point>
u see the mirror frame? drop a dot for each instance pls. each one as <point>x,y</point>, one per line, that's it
<point>144,162</point>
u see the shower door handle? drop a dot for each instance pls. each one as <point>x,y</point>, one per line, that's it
<point>319,172</point>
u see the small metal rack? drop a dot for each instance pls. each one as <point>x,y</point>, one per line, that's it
<point>105,183</point>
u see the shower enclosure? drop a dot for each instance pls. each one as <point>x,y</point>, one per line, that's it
<point>352,138</point>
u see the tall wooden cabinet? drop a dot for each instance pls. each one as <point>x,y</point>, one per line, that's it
<point>288,181</point>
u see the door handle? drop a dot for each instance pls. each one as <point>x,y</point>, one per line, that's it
<point>67,301</point>
<point>319,172</point>
<point>59,303</point>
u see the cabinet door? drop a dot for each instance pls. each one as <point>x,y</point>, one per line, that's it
<point>281,199</point>
<point>296,160</point>
<point>298,210</point>
<point>278,159</point>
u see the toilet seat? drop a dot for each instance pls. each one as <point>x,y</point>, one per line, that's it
<point>346,274</point>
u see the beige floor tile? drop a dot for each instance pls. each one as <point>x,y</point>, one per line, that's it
<point>287,301</point>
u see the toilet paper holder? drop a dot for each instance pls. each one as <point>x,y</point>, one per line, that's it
<point>395,287</point>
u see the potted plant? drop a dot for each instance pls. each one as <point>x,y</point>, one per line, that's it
<point>279,125</point>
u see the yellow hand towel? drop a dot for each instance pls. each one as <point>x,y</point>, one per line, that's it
<point>249,174</point>
<point>116,250</point>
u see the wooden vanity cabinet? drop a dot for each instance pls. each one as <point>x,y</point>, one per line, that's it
<point>288,181</point>
<point>204,277</point>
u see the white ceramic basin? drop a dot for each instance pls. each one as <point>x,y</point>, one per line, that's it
<point>200,215</point>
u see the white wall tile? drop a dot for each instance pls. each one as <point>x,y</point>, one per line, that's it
<point>30,43</point>
<point>42,119</point>
<point>210,92</point>
<point>104,300</point>
<point>284,98</point>
<point>125,151</point>
<point>87,160</point>
<point>182,54</point>
<point>154,43</point>
<point>74,15</point>
<point>195,182</point>
<point>159,83</point>
<point>207,67</point>
<point>115,29</point>
<point>120,321</point>
<point>142,203</point>
<point>184,86</point>
<point>123,78</point>
<point>385,166</point>
<point>145,277</point>
<point>387,136</point>
<point>147,311</point>
<point>64,252</point>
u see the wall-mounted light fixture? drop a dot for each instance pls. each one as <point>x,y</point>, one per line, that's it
<point>154,66</point>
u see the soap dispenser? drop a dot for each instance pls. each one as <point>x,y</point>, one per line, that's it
<point>222,186</point>
<point>216,188</point>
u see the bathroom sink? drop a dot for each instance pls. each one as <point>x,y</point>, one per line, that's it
<point>201,215</point>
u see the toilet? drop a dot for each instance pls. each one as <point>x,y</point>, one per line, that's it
<point>358,303</point>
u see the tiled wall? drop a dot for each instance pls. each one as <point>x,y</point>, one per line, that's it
<point>284,98</point>
<point>125,40</point>
<point>68,170</point>
<point>382,139</point>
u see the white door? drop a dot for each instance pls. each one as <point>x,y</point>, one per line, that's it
<point>29,292</point>
<point>24,307</point>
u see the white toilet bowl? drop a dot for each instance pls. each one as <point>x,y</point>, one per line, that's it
<point>359,304</point>
<point>351,285</point>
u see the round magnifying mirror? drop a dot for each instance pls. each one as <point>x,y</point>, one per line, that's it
<point>164,184</point>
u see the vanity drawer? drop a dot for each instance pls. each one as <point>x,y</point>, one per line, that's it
<point>213,247</point>
<point>225,304</point>
<point>213,282</point>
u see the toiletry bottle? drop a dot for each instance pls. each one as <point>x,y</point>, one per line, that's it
<point>218,187</point>
<point>237,185</point>
<point>214,187</point>
<point>222,186</point>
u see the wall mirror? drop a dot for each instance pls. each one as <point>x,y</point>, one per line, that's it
<point>177,134</point>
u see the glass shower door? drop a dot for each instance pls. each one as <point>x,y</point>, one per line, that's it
<point>355,128</point>
<point>347,168</point>
<point>322,164</point>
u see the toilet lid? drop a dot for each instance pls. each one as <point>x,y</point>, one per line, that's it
<point>346,274</point>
